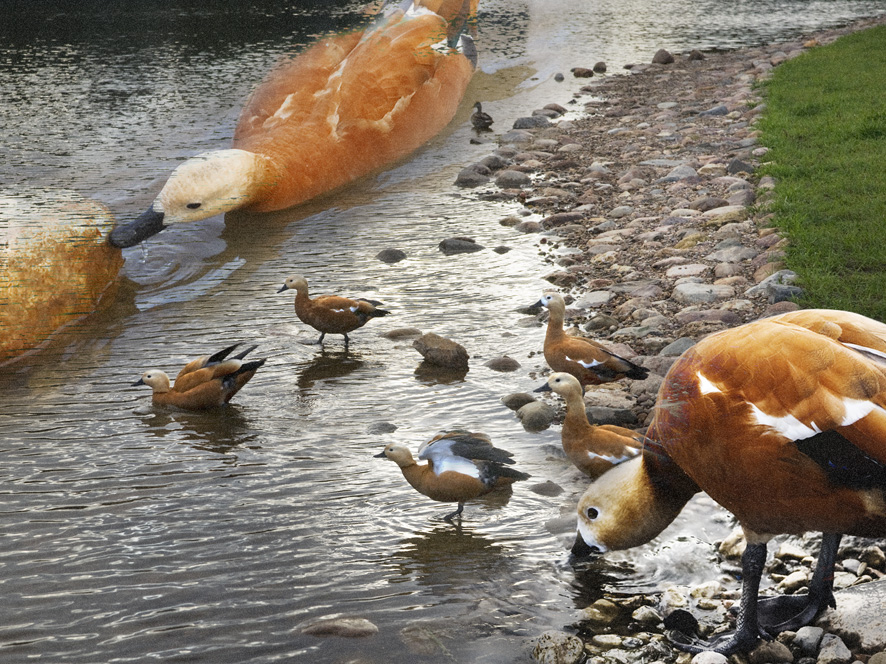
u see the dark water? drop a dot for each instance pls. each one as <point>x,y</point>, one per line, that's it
<point>134,534</point>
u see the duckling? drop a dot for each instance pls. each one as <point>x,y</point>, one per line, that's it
<point>585,359</point>
<point>593,449</point>
<point>783,422</point>
<point>331,313</point>
<point>206,382</point>
<point>482,121</point>
<point>461,466</point>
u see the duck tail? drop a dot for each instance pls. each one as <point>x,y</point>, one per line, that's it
<point>242,354</point>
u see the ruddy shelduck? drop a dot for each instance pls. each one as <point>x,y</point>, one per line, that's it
<point>206,382</point>
<point>331,314</point>
<point>783,422</point>
<point>348,105</point>
<point>461,466</point>
<point>585,359</point>
<point>593,449</point>
<point>480,119</point>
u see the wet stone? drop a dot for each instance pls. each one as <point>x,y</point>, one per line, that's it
<point>517,400</point>
<point>391,255</point>
<point>441,352</point>
<point>344,627</point>
<point>536,416</point>
<point>558,648</point>
<point>459,245</point>
<point>503,363</point>
<point>511,179</point>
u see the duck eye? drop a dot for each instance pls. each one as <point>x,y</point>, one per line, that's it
<point>193,206</point>
<point>593,513</point>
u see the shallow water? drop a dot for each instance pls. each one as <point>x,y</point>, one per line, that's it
<point>134,534</point>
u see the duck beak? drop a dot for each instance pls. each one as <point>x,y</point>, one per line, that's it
<point>543,388</point>
<point>138,382</point>
<point>144,226</point>
<point>283,288</point>
<point>380,455</point>
<point>581,549</point>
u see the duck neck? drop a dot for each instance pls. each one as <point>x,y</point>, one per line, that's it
<point>576,419</point>
<point>556,317</point>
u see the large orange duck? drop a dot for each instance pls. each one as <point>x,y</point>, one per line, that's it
<point>585,359</point>
<point>461,466</point>
<point>782,422</point>
<point>592,448</point>
<point>348,105</point>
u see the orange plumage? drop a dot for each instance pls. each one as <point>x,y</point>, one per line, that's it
<point>783,422</point>
<point>350,104</point>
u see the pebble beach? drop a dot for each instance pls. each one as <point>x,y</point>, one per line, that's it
<point>644,190</point>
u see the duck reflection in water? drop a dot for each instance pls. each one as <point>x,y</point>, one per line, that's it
<point>219,432</point>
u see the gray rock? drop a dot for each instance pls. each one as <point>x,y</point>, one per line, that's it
<point>561,218</point>
<point>532,122</point>
<point>620,212</point>
<point>494,162</point>
<point>459,245</point>
<point>517,136</point>
<point>677,347</point>
<point>734,254</point>
<point>709,657</point>
<point>391,255</point>
<point>582,72</point>
<point>834,651</point>
<point>508,179</point>
<point>770,652</point>
<point>600,67</point>
<point>558,648</point>
<point>646,615</point>
<point>503,363</point>
<point>690,293</point>
<point>860,610</point>
<point>662,57</point>
<point>678,173</point>
<point>402,333</point>
<point>381,427</point>
<point>517,400</point>
<point>808,639</point>
<point>781,293</point>
<point>469,177</point>
<point>348,627</point>
<point>716,110</point>
<point>622,417</point>
<point>536,416</point>
<point>441,352</point>
<point>549,489</point>
<point>738,166</point>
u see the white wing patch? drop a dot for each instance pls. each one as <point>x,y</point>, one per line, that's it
<point>629,453</point>
<point>456,464</point>
<point>857,409</point>
<point>878,355</point>
<point>705,386</point>
<point>786,425</point>
<point>586,365</point>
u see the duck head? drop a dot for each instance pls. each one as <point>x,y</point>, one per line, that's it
<point>297,283</point>
<point>209,184</point>
<point>397,453</point>
<point>155,379</point>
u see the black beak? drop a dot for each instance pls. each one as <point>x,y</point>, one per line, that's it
<point>581,549</point>
<point>283,288</point>
<point>138,382</point>
<point>543,388</point>
<point>144,226</point>
<point>380,455</point>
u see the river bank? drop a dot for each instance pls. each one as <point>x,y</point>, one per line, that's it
<point>657,229</point>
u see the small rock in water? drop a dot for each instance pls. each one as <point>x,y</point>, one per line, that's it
<point>558,648</point>
<point>391,255</point>
<point>441,352</point>
<point>503,363</point>
<point>662,57</point>
<point>459,245</point>
<point>517,400</point>
<point>347,627</point>
<point>536,416</point>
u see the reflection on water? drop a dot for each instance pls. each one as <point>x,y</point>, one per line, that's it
<point>134,533</point>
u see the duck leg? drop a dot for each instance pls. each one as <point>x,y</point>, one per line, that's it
<point>457,513</point>
<point>346,340</point>
<point>320,340</point>
<point>748,631</point>
<point>791,612</point>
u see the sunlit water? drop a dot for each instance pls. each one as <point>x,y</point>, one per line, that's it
<point>137,534</point>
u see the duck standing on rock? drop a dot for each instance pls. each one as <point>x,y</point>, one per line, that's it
<point>348,105</point>
<point>461,466</point>
<point>209,381</point>
<point>783,422</point>
<point>331,314</point>
<point>481,120</point>
<point>584,358</point>
<point>593,449</point>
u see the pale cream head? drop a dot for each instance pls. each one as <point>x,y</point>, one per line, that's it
<point>397,453</point>
<point>620,510</point>
<point>209,184</point>
<point>296,283</point>
<point>156,380</point>
<point>565,384</point>
<point>553,302</point>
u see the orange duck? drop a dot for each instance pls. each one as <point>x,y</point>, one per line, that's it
<point>593,449</point>
<point>331,313</point>
<point>461,466</point>
<point>348,105</point>
<point>584,358</point>
<point>207,382</point>
<point>782,422</point>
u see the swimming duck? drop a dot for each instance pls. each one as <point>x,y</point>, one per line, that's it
<point>206,382</point>
<point>331,313</point>
<point>584,358</point>
<point>782,422</point>
<point>461,466</point>
<point>348,105</point>
<point>593,449</point>
<point>481,120</point>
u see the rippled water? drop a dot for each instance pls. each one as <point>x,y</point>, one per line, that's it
<point>137,534</point>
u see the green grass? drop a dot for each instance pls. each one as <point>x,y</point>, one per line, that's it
<point>825,126</point>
